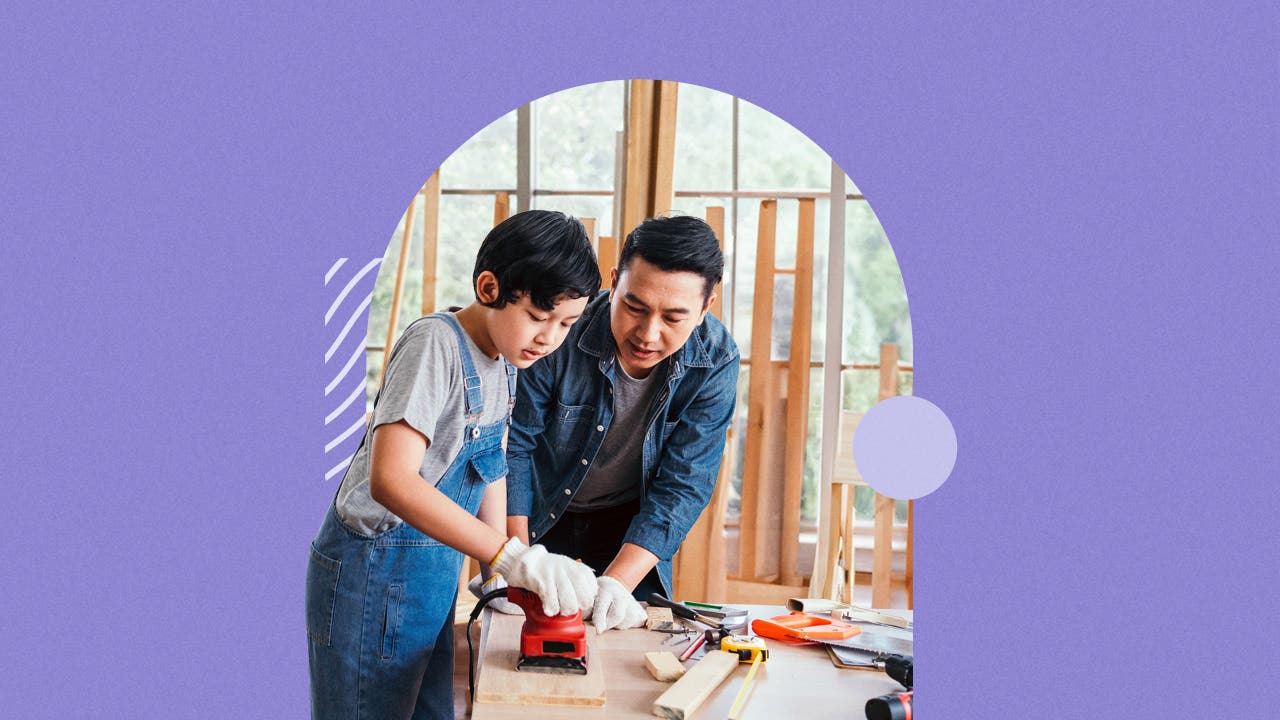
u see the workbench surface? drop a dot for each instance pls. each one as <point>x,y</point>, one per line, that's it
<point>796,681</point>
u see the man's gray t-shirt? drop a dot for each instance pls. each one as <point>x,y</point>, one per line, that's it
<point>423,387</point>
<point>614,475</point>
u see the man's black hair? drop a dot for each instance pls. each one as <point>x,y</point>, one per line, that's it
<point>542,253</point>
<point>681,243</point>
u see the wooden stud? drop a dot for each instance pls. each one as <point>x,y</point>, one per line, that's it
<point>430,241</point>
<point>664,147</point>
<point>501,207</point>
<point>689,692</point>
<point>759,385</point>
<point>589,224</point>
<point>797,430</point>
<point>715,218</point>
<point>910,579</point>
<point>607,257</point>
<point>882,564</point>
<point>401,264</point>
<point>835,525</point>
<point>850,518</point>
<point>888,370</point>
<point>650,151</point>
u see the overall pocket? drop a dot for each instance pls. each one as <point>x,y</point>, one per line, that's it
<point>322,594</point>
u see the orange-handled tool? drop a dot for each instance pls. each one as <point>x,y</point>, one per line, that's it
<point>799,627</point>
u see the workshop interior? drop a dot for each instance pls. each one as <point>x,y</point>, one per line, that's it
<point>812,293</point>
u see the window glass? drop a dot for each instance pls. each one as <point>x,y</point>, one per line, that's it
<point>875,299</point>
<point>704,139</point>
<point>772,155</point>
<point>487,160</point>
<point>575,133</point>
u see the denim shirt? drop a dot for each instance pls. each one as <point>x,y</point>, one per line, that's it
<point>564,407</point>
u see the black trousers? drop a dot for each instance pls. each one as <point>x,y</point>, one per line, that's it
<point>595,538</point>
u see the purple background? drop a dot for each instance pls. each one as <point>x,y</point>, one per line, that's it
<point>1082,199</point>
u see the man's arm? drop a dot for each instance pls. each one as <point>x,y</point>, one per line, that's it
<point>528,419</point>
<point>631,565</point>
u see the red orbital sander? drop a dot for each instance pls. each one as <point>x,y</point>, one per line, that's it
<point>549,644</point>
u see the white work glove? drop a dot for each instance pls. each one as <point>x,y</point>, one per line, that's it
<point>615,607</point>
<point>564,584</point>
<point>495,582</point>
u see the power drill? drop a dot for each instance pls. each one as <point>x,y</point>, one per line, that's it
<point>894,706</point>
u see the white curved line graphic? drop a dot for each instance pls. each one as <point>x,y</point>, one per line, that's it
<point>358,391</point>
<point>329,275</point>
<point>357,425</point>
<point>364,305</point>
<point>355,354</point>
<point>339,467</point>
<point>350,284</point>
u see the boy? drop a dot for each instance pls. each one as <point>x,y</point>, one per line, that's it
<point>383,570</point>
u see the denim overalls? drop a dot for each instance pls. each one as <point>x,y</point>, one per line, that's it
<point>380,607</point>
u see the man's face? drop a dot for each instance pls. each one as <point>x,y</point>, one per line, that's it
<point>652,312</point>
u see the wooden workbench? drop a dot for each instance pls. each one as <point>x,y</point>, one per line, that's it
<point>796,681</point>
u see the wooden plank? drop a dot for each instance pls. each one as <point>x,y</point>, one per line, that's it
<point>758,386</point>
<point>401,264</point>
<point>589,224</point>
<point>430,241</point>
<point>498,681</point>
<point>835,526</point>
<point>664,147</point>
<point>501,207</point>
<point>606,257</point>
<point>639,136</point>
<point>797,430</point>
<point>882,562</point>
<point>715,218</point>
<point>911,579</point>
<point>683,698</point>
<point>888,370</point>
<point>770,489</point>
<point>847,550</point>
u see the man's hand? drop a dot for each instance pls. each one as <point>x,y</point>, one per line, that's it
<point>615,607</point>
<point>565,585</point>
<point>480,587</point>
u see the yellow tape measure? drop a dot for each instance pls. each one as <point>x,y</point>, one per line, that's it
<point>748,649</point>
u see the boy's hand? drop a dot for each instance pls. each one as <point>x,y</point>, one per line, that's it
<point>615,607</point>
<point>565,585</point>
<point>480,587</point>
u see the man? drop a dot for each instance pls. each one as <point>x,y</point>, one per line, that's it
<point>616,439</point>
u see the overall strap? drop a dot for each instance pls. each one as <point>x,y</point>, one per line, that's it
<point>511,389</point>
<point>472,395</point>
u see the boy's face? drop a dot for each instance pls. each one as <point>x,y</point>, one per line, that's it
<point>652,312</point>
<point>524,332</point>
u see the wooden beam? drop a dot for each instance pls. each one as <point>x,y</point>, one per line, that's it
<point>589,224</point>
<point>882,562</point>
<point>664,147</point>
<point>759,385</point>
<point>430,241</point>
<point>797,430</point>
<point>501,207</point>
<point>911,571</point>
<point>650,151</point>
<point>715,218</point>
<point>689,692</point>
<point>607,257</point>
<point>888,370</point>
<point>399,286</point>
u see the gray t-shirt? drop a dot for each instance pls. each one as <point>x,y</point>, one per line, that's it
<point>423,387</point>
<point>614,475</point>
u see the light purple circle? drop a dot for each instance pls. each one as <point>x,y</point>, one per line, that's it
<point>904,447</point>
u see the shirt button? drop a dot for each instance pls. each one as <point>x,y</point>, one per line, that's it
<point>533,534</point>
<point>475,433</point>
<point>599,428</point>
<point>553,516</point>
<point>567,491</point>
<point>584,462</point>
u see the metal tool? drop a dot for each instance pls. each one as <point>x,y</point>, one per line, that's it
<point>684,611</point>
<point>715,636</point>
<point>728,615</point>
<point>894,706</point>
<point>549,644</point>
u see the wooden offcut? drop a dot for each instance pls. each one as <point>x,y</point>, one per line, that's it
<point>498,680</point>
<point>663,665</point>
<point>689,692</point>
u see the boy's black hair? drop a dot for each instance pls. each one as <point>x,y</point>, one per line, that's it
<point>680,243</point>
<point>542,253</point>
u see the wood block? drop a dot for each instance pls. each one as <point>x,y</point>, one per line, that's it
<point>658,616</point>
<point>664,666</point>
<point>681,699</point>
<point>499,682</point>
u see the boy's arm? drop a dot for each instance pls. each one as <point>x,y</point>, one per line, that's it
<point>493,512</point>
<point>394,482</point>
